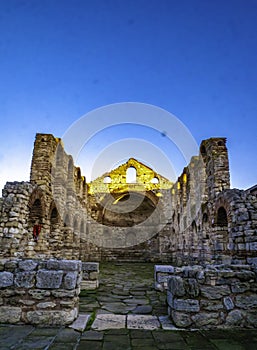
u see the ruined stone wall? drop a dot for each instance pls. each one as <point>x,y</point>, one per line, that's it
<point>39,292</point>
<point>196,220</point>
<point>217,296</point>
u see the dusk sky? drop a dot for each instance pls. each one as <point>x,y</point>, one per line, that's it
<point>61,59</point>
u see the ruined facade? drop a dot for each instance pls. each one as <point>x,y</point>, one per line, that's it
<point>131,213</point>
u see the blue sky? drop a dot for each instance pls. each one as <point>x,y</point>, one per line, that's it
<point>61,59</point>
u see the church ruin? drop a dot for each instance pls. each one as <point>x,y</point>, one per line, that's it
<point>129,214</point>
<point>197,219</point>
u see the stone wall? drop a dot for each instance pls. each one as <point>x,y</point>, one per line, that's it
<point>90,276</point>
<point>197,220</point>
<point>213,297</point>
<point>44,292</point>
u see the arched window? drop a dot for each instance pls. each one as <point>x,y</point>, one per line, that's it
<point>222,219</point>
<point>76,225</point>
<point>107,180</point>
<point>36,212</point>
<point>155,180</point>
<point>131,175</point>
<point>82,227</point>
<point>54,219</point>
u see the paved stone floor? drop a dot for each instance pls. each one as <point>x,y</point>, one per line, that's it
<point>125,292</point>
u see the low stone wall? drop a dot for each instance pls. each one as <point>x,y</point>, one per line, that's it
<point>44,292</point>
<point>90,276</point>
<point>161,276</point>
<point>213,297</point>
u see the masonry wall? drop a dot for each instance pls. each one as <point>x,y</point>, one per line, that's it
<point>40,292</point>
<point>198,221</point>
<point>217,296</point>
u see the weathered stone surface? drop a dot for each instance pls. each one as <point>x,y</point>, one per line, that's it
<point>246,301</point>
<point>252,318</point>
<point>234,318</point>
<point>211,305</point>
<point>9,314</point>
<point>24,279</point>
<point>181,319</point>
<point>109,321</point>
<point>46,305</point>
<point>204,319</point>
<point>214,293</point>
<point>142,322</point>
<point>170,299</point>
<point>176,286</point>
<point>90,266</point>
<point>39,294</point>
<point>88,285</point>
<point>6,279</point>
<point>54,318</point>
<point>62,293</point>
<point>70,280</point>
<point>238,287</point>
<point>28,265</point>
<point>81,322</point>
<point>228,302</point>
<point>66,265</point>
<point>49,279</point>
<point>192,288</point>
<point>187,305</point>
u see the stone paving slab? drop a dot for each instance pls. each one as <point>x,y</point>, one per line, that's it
<point>142,322</point>
<point>81,322</point>
<point>123,338</point>
<point>109,321</point>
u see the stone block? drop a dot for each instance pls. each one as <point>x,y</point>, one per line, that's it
<point>176,286</point>
<point>93,275</point>
<point>147,322</point>
<point>49,279</point>
<point>67,265</point>
<point>81,322</point>
<point>6,279</point>
<point>234,318</point>
<point>214,292</point>
<point>90,266</point>
<point>170,299</point>
<point>28,265</point>
<point>211,305</point>
<point>109,321</point>
<point>228,302</point>
<point>246,301</point>
<point>204,319</point>
<point>167,269</point>
<point>46,305</point>
<point>88,285</point>
<point>181,319</point>
<point>238,287</point>
<point>24,279</point>
<point>10,314</point>
<point>70,280</point>
<point>186,305</point>
<point>62,293</point>
<point>52,317</point>
<point>192,288</point>
<point>39,294</point>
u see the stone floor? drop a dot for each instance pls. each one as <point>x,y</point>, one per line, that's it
<point>127,303</point>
